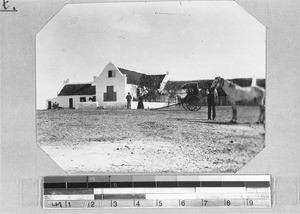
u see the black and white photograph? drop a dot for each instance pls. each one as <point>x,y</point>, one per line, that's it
<point>151,87</point>
<point>149,106</point>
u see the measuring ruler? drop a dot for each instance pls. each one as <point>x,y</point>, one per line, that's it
<point>140,191</point>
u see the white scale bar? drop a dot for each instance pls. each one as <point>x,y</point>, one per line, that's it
<point>219,190</point>
<point>171,196</point>
<point>258,190</point>
<point>207,196</point>
<point>143,190</point>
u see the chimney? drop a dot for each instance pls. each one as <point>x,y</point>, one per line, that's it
<point>168,76</point>
<point>95,78</point>
<point>66,81</point>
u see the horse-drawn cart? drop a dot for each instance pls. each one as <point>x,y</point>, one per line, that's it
<point>194,99</point>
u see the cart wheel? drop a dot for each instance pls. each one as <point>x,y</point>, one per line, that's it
<point>191,104</point>
<point>198,107</point>
<point>198,104</point>
<point>184,105</point>
<point>191,107</point>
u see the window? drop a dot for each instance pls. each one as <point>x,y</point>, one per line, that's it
<point>93,99</point>
<point>111,73</point>
<point>82,99</point>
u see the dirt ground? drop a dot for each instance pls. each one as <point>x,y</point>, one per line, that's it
<point>149,141</point>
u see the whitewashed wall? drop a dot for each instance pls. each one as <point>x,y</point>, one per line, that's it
<point>86,105</point>
<point>149,105</point>
<point>164,81</point>
<point>119,83</point>
<point>63,101</point>
<point>132,90</point>
<point>113,105</point>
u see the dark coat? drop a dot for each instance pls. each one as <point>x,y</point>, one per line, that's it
<point>140,103</point>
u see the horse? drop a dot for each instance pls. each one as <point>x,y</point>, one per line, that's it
<point>237,93</point>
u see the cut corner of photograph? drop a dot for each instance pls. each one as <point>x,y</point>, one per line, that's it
<point>121,88</point>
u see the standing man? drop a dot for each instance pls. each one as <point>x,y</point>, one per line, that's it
<point>128,98</point>
<point>211,95</point>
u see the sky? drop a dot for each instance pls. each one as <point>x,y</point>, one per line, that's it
<point>190,40</point>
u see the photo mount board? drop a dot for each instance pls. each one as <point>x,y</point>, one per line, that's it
<point>23,164</point>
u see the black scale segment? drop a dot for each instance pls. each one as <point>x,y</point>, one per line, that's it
<point>211,184</point>
<point>144,184</point>
<point>99,185</point>
<point>55,185</point>
<point>189,184</point>
<point>257,184</point>
<point>167,184</point>
<point>74,191</point>
<point>123,196</point>
<point>77,185</point>
<point>121,184</point>
<point>234,184</point>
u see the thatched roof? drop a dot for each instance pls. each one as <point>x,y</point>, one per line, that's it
<point>77,89</point>
<point>88,89</point>
<point>153,80</point>
<point>133,77</point>
<point>261,83</point>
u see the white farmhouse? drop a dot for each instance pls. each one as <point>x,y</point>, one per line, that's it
<point>108,90</point>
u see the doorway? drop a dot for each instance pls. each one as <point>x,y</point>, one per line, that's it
<point>71,103</point>
<point>49,105</point>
